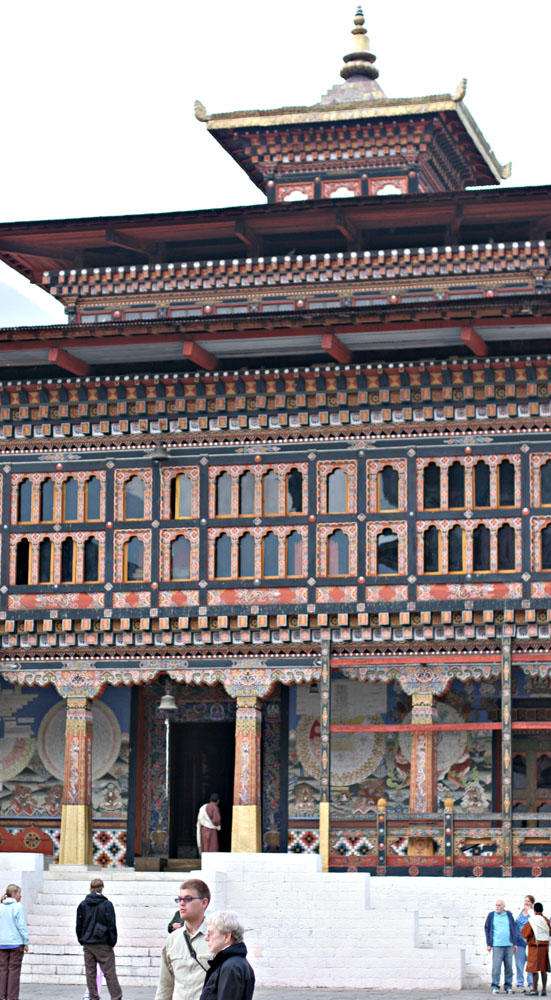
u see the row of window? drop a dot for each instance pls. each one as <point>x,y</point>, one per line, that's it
<point>455,488</point>
<point>271,555</point>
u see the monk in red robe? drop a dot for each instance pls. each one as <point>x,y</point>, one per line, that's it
<point>208,825</point>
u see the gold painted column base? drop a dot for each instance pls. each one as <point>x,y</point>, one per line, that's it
<point>75,846</point>
<point>324,836</point>
<point>246,837</point>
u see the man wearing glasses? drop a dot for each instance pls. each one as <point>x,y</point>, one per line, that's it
<point>185,955</point>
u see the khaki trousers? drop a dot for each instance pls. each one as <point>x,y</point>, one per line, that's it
<point>104,954</point>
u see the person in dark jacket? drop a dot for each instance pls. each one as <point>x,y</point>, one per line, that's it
<point>97,933</point>
<point>501,940</point>
<point>230,977</point>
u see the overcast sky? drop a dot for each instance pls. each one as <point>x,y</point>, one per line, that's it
<point>97,98</point>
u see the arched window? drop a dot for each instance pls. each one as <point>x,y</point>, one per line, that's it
<point>270,493</point>
<point>481,549</point>
<point>387,489</point>
<point>387,552</point>
<point>336,492</point>
<point>246,555</point>
<point>456,549</point>
<point>431,487</point>
<point>180,555</point>
<point>431,550</point>
<point>270,555</point>
<point>456,486</point>
<point>45,561</point>
<point>70,500</point>
<point>223,494</point>
<point>505,547</point>
<point>294,554</point>
<point>134,493</point>
<point>246,493</point>
<point>47,500</point>
<point>546,547</point>
<point>24,501</point>
<point>545,484</point>
<point>22,562</point>
<point>91,560</point>
<point>506,480</point>
<point>293,500</point>
<point>337,553</point>
<point>180,497</point>
<point>481,485</point>
<point>133,559</point>
<point>68,551</point>
<point>92,499</point>
<point>222,557</point>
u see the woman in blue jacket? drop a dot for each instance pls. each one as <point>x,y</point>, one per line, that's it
<point>14,942</point>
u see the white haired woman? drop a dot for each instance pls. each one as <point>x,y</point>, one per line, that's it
<point>14,941</point>
<point>230,976</point>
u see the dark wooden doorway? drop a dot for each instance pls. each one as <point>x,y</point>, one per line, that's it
<point>201,762</point>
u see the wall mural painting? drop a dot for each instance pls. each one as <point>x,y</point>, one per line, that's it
<point>368,766</point>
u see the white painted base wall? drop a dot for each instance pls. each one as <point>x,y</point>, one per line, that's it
<point>339,930</point>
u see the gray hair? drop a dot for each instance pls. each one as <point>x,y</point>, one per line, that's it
<point>228,922</point>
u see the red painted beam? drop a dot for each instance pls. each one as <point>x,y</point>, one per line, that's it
<point>203,359</point>
<point>68,362</point>
<point>412,727</point>
<point>474,341</point>
<point>336,348</point>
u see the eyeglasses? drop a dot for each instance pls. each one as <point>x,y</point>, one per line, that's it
<point>185,899</point>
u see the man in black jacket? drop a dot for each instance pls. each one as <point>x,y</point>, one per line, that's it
<point>97,933</point>
<point>230,977</point>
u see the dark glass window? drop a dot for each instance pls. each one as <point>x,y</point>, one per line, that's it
<point>70,500</point>
<point>246,555</point>
<point>544,771</point>
<point>24,501</point>
<point>294,554</point>
<point>337,552</point>
<point>93,497</point>
<point>431,546</point>
<point>387,552</point>
<point>134,493</point>
<point>47,500</point>
<point>223,494</point>
<point>222,557</point>
<point>336,492</point>
<point>431,487</point>
<point>270,493</point>
<point>519,771</point>
<point>506,479</point>
<point>246,493</point>
<point>546,547</point>
<point>134,559</point>
<point>294,492</point>
<point>22,561</point>
<point>456,486</point>
<point>455,549</point>
<point>67,560</point>
<point>45,561</point>
<point>387,488</point>
<point>180,497</point>
<point>91,560</point>
<point>270,555</point>
<point>180,554</point>
<point>505,547</point>
<point>481,549</point>
<point>481,485</point>
<point>545,483</point>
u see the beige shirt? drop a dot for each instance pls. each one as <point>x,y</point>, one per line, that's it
<point>181,978</point>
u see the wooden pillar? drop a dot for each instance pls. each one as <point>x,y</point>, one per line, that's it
<point>506,759</point>
<point>246,835</point>
<point>325,758</point>
<point>422,789</point>
<point>76,811</point>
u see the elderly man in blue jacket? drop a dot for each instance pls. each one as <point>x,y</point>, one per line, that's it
<point>501,940</point>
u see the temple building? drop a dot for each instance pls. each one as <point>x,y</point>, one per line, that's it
<point>276,507</point>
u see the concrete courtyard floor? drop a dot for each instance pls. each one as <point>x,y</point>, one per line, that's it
<point>41,991</point>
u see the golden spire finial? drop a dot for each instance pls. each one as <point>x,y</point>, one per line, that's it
<point>360,61</point>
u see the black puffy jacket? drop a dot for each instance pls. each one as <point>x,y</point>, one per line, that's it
<point>96,923</point>
<point>230,976</point>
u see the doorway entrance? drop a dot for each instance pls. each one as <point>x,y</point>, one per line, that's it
<point>201,762</point>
